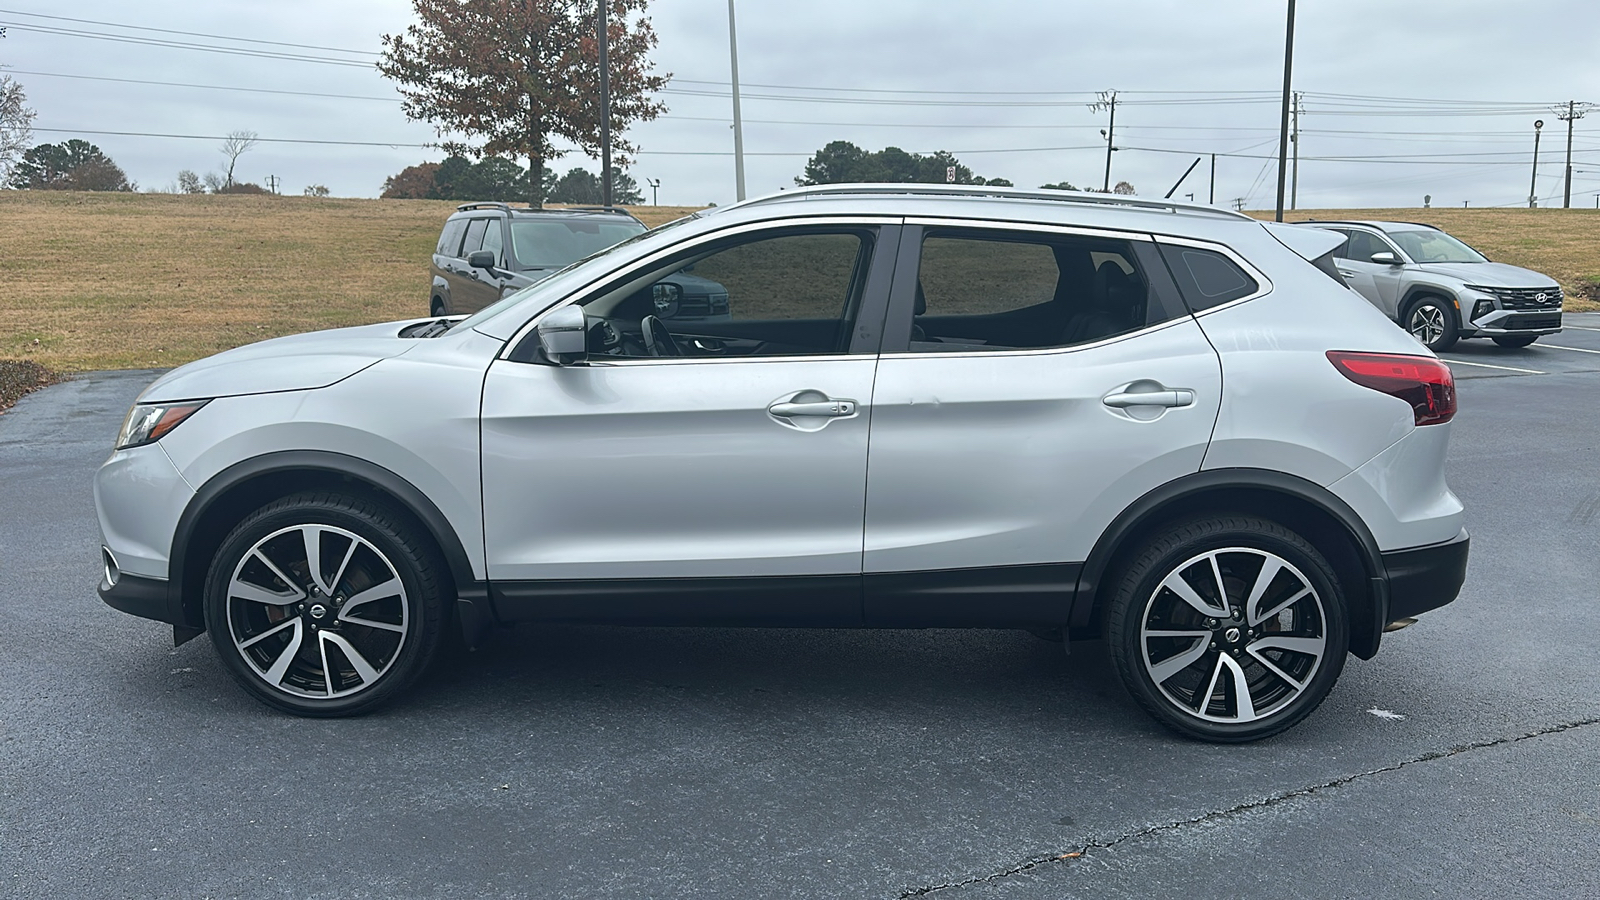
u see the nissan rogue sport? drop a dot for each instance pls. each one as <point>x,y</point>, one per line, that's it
<point>945,407</point>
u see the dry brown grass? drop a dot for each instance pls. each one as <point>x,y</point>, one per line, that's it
<point>92,281</point>
<point>104,281</point>
<point>1562,243</point>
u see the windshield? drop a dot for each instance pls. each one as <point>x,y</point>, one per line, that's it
<point>1433,246</point>
<point>551,244</point>
<point>510,300</point>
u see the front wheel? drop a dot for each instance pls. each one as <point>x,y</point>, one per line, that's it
<point>1432,322</point>
<point>1515,340</point>
<point>1228,629</point>
<point>325,605</point>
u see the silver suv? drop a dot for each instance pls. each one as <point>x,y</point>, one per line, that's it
<point>1076,414</point>
<point>1440,289</point>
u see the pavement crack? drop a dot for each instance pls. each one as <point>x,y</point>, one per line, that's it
<point>1067,856</point>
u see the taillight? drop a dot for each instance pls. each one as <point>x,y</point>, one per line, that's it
<point>1422,381</point>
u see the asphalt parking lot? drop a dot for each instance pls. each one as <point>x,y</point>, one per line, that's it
<point>594,762</point>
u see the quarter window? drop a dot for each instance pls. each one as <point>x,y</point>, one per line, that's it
<point>1207,278</point>
<point>450,239</point>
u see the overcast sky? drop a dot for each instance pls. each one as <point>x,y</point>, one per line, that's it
<point>1005,84</point>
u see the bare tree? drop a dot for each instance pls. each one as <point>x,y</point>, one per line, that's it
<point>237,144</point>
<point>189,182</point>
<point>16,120</point>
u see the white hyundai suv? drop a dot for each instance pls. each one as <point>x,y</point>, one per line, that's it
<point>1077,414</point>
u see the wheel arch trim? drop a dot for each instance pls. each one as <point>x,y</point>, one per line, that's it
<point>184,606</point>
<point>1366,623</point>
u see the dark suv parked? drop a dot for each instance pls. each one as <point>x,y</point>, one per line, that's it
<point>488,250</point>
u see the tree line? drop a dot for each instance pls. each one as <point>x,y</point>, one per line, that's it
<point>496,178</point>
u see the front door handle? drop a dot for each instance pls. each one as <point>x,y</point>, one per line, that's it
<point>1170,399</point>
<point>833,409</point>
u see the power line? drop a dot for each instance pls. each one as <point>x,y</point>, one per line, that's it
<point>184,45</point>
<point>222,37</point>
<point>209,87</point>
<point>214,137</point>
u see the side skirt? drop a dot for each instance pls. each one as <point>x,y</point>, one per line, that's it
<point>1004,597</point>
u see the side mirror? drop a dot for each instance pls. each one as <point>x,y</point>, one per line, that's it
<point>564,336</point>
<point>482,259</point>
<point>664,298</point>
<point>1386,259</point>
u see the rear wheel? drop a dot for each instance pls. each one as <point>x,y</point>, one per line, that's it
<point>1432,321</point>
<point>325,605</point>
<point>1515,340</point>
<point>1228,629</point>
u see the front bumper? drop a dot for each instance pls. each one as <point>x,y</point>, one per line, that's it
<point>1424,578</point>
<point>1515,321</point>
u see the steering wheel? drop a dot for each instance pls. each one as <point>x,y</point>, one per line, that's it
<point>657,340</point>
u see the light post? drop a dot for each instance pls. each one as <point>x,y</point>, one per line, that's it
<point>738,125</point>
<point>655,185</point>
<point>1533,181</point>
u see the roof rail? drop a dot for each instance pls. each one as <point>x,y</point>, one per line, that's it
<point>621,211</point>
<point>974,190</point>
<point>483,205</point>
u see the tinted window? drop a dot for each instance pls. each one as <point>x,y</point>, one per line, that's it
<point>991,291</point>
<point>551,244</point>
<point>494,240</point>
<point>1207,278</point>
<point>787,295</point>
<point>1363,244</point>
<point>450,240</point>
<point>474,239</point>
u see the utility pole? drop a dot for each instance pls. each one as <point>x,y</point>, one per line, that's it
<point>605,107</point>
<point>738,125</point>
<point>1294,139</point>
<point>1573,113</point>
<point>1283,124</point>
<point>1108,100</point>
<point>1533,182</point>
<point>1238,204</point>
<point>272,183</point>
<point>1213,200</point>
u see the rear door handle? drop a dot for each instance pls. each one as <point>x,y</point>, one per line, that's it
<point>1170,399</point>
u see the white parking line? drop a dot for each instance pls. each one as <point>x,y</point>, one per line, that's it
<point>1581,327</point>
<point>1463,362</point>
<point>1574,349</point>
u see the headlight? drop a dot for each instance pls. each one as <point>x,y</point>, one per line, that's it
<point>148,423</point>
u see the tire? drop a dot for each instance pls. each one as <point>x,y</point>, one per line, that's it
<point>1283,657</point>
<point>1515,340</point>
<point>1432,321</point>
<point>338,644</point>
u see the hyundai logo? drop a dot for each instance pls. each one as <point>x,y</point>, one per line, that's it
<point>1541,298</point>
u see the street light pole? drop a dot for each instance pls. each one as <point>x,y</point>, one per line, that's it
<point>605,107</point>
<point>738,125</point>
<point>655,186</point>
<point>1283,125</point>
<point>1533,181</point>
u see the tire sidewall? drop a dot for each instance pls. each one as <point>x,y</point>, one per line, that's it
<point>410,559</point>
<point>1451,330</point>
<point>1140,579</point>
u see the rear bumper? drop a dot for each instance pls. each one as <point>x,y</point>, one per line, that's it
<point>1425,578</point>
